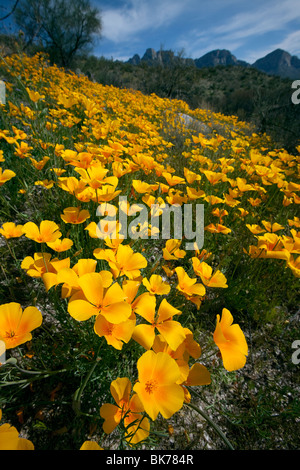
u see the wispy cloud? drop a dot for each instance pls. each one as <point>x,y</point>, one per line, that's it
<point>244,28</point>
<point>263,18</point>
<point>248,29</point>
<point>135,16</point>
<point>290,43</point>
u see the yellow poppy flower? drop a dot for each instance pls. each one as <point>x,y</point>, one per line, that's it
<point>156,285</point>
<point>198,375</point>
<point>171,330</point>
<point>213,177</point>
<point>60,245</point>
<point>273,246</point>
<point>90,445</point>
<point>156,387</point>
<point>6,175</point>
<point>294,265</point>
<point>34,95</point>
<point>172,251</point>
<point>39,165</point>
<point>9,437</point>
<point>115,334</point>
<point>190,176</point>
<point>10,440</point>
<point>11,230</point>
<point>73,215</point>
<point>127,409</point>
<point>255,229</point>
<point>22,150</point>
<point>71,184</point>
<point>47,231</point>
<point>173,180</point>
<point>254,202</point>
<point>48,184</point>
<point>218,228</point>
<point>69,277</point>
<point>94,176</point>
<point>231,341</point>
<point>123,262</point>
<point>213,200</point>
<point>188,285</point>
<point>107,301</point>
<point>143,187</point>
<point>205,272</point>
<point>16,325</point>
<point>272,227</point>
<point>194,193</point>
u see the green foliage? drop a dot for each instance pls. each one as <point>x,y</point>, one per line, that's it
<point>62,28</point>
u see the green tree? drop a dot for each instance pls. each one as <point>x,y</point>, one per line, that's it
<point>62,28</point>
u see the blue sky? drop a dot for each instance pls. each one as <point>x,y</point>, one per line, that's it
<point>249,29</point>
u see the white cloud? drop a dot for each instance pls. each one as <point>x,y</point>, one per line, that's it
<point>136,16</point>
<point>242,28</point>
<point>290,43</point>
<point>249,30</point>
<point>267,17</point>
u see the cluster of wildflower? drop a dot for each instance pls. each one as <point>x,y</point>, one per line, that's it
<point>96,143</point>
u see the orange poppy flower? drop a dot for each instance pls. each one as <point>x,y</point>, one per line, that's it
<point>194,193</point>
<point>122,262</point>
<point>6,175</point>
<point>34,95</point>
<point>231,341</point>
<point>115,334</point>
<point>173,180</point>
<point>11,230</point>
<point>107,301</point>
<point>188,285</point>
<point>156,285</point>
<point>60,245</point>
<point>205,272</point>
<point>16,325</point>
<point>73,215</point>
<point>10,440</point>
<point>218,228</point>
<point>156,387</point>
<point>171,330</point>
<point>69,277</point>
<point>48,231</point>
<point>90,445</point>
<point>172,251</point>
<point>127,409</point>
<point>143,187</point>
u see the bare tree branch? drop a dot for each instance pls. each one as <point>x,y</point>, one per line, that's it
<point>13,9</point>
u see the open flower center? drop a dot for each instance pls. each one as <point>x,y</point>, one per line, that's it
<point>109,330</point>
<point>10,334</point>
<point>151,386</point>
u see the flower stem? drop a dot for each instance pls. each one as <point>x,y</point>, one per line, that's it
<point>78,394</point>
<point>214,425</point>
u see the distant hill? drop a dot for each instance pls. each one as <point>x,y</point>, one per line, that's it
<point>151,57</point>
<point>278,62</point>
<point>219,57</point>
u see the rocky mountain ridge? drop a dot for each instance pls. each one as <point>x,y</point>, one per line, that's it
<point>278,62</point>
